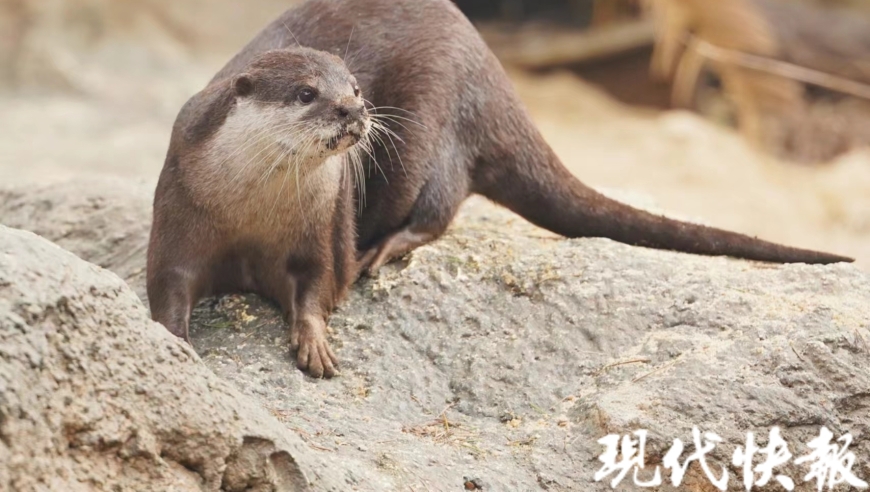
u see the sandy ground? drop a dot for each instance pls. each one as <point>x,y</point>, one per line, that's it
<point>673,161</point>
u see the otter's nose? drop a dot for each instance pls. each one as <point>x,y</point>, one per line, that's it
<point>346,112</point>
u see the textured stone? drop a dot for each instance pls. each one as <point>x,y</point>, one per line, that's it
<point>502,353</point>
<point>94,396</point>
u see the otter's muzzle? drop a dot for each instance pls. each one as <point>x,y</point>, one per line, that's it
<point>352,119</point>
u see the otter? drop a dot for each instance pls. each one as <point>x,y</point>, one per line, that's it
<point>453,126</point>
<point>460,128</point>
<point>256,195</point>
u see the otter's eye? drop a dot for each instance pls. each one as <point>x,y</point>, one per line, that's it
<point>356,91</point>
<point>307,96</point>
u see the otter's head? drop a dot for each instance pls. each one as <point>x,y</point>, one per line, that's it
<point>306,100</point>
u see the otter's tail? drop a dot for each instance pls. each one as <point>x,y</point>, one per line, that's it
<point>533,183</point>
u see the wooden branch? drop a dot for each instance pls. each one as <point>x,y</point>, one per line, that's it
<point>541,47</point>
<point>782,69</point>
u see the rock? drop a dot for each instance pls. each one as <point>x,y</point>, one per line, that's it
<point>95,396</point>
<point>504,353</point>
<point>105,221</point>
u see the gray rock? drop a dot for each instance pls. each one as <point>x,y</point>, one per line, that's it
<point>105,221</point>
<point>501,354</point>
<point>95,396</point>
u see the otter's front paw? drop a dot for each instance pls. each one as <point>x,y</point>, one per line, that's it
<point>313,355</point>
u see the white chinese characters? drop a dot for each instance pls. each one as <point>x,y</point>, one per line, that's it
<point>830,463</point>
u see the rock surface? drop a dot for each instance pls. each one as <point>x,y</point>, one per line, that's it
<point>95,396</point>
<point>502,354</point>
<point>104,221</point>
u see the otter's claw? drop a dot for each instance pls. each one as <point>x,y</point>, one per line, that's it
<point>313,354</point>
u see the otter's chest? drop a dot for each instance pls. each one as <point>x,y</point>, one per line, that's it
<point>283,206</point>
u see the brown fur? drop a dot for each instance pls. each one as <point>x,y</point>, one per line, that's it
<point>225,223</point>
<point>471,134</point>
<point>459,129</point>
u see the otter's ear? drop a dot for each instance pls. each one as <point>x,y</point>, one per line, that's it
<point>243,85</point>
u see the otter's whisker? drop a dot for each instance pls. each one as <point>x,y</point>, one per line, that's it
<point>291,33</point>
<point>372,152</point>
<point>381,118</point>
<point>410,113</point>
<point>361,183</point>
<point>274,165</point>
<point>309,140</point>
<point>268,134</point>
<point>400,117</point>
<point>283,183</point>
<point>349,61</point>
<point>268,170</point>
<point>387,130</point>
<point>375,129</point>
<point>256,141</point>
<point>355,161</point>
<point>347,48</point>
<point>394,107</point>
<point>369,149</point>
<point>278,149</point>
<point>252,158</point>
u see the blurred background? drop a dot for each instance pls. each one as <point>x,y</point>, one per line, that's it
<point>752,115</point>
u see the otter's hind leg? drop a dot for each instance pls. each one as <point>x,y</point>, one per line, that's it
<point>434,209</point>
<point>398,244</point>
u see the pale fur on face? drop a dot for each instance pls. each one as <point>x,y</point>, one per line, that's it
<point>265,165</point>
<point>256,134</point>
